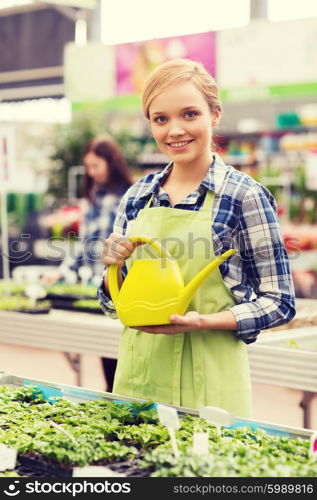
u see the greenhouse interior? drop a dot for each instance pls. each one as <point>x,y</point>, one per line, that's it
<point>207,367</point>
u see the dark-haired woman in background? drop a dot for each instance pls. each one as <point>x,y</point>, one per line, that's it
<point>107,177</point>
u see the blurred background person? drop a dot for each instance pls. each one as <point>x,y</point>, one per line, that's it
<point>106,179</point>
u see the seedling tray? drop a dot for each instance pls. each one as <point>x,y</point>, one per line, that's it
<point>44,468</point>
<point>87,310</point>
<point>73,393</point>
<point>24,470</point>
<point>67,305</point>
<point>130,469</point>
<point>68,298</point>
<point>33,311</point>
<point>57,459</point>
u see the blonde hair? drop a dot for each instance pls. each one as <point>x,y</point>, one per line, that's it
<point>177,71</point>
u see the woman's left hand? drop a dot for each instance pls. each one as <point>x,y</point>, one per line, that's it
<point>179,324</point>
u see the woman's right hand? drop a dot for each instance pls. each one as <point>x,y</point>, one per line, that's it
<point>117,249</point>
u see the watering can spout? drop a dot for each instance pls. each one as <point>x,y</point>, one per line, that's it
<point>189,290</point>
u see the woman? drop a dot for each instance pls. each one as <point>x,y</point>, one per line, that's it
<point>107,177</point>
<point>200,358</point>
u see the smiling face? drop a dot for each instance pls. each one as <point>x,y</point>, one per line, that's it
<point>96,168</point>
<point>181,123</point>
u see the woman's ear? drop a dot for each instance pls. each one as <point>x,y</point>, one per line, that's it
<point>216,117</point>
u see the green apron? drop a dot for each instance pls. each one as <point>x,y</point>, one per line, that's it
<point>202,367</point>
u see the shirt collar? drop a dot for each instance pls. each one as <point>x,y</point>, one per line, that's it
<point>216,174</point>
<point>212,181</point>
<point>157,181</point>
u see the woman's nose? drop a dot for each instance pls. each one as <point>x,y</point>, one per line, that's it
<point>176,129</point>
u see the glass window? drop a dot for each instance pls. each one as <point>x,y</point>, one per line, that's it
<point>126,21</point>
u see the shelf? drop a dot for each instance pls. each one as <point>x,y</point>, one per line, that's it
<point>65,331</point>
<point>265,133</point>
<point>273,362</point>
<point>54,249</point>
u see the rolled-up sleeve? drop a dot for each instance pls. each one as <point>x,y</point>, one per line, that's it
<point>105,301</point>
<point>265,266</point>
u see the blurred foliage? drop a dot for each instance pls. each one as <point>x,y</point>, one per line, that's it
<point>69,141</point>
<point>303,203</point>
<point>68,145</point>
<point>308,197</point>
<point>271,172</point>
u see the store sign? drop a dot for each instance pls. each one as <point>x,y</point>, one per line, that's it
<point>134,61</point>
<point>265,92</point>
<point>246,59</point>
<point>240,94</point>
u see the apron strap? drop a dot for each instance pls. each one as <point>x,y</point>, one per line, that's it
<point>208,202</point>
<point>148,204</point>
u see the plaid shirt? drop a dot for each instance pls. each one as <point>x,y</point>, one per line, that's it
<point>96,225</point>
<point>243,217</point>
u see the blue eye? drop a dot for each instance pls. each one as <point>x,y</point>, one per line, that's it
<point>191,114</point>
<point>160,119</point>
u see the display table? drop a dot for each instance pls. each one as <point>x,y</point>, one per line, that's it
<point>287,359</point>
<point>306,315</point>
<point>80,394</point>
<point>289,367</point>
<point>73,333</point>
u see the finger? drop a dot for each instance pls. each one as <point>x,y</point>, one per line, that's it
<point>127,244</point>
<point>179,320</point>
<point>117,248</point>
<point>116,238</point>
<point>190,318</point>
<point>112,260</point>
<point>117,243</point>
<point>193,316</point>
<point>121,251</point>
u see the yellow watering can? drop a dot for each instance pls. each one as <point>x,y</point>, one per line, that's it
<point>154,288</point>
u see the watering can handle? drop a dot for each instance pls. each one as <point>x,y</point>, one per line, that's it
<point>113,268</point>
<point>150,241</point>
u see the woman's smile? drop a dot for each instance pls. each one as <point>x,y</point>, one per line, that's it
<point>180,146</point>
